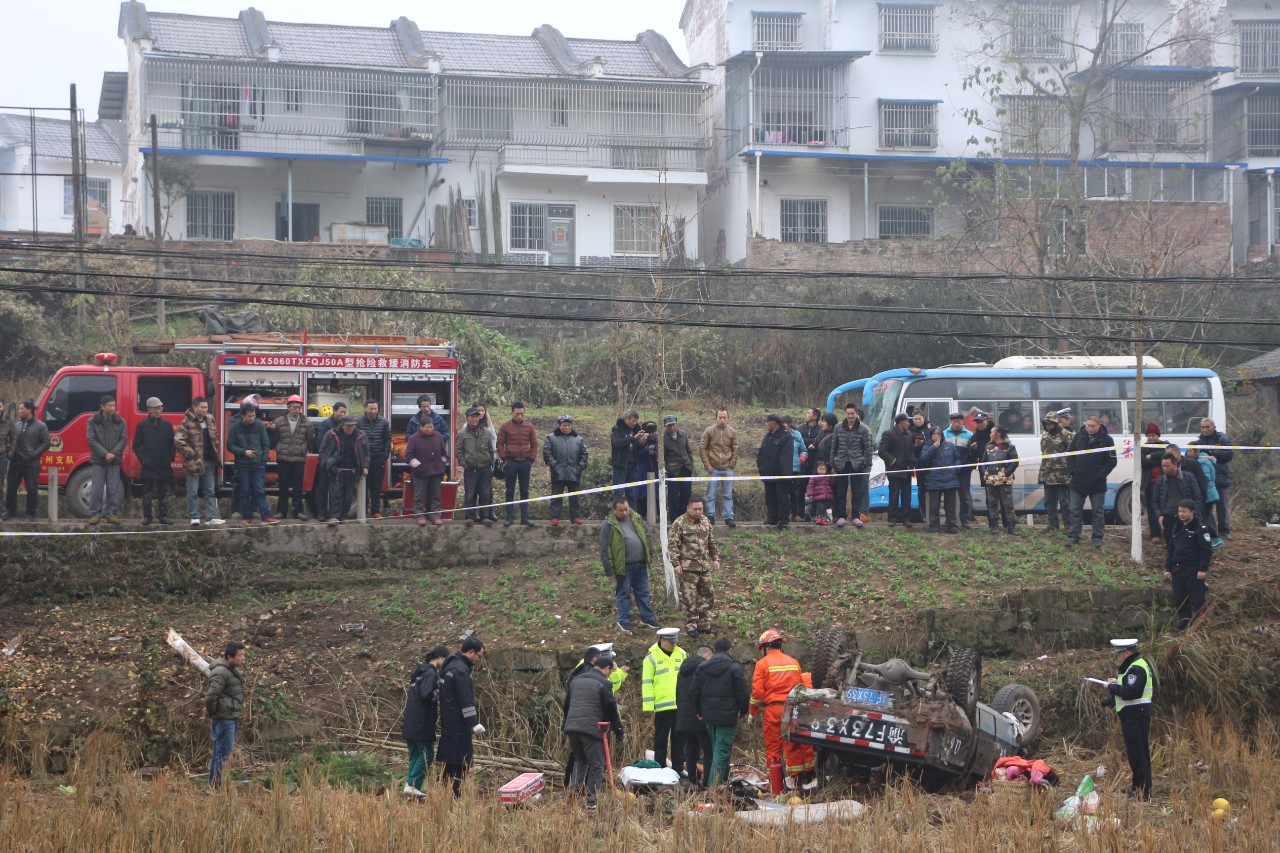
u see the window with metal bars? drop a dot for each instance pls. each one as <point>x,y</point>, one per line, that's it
<point>1035,124</point>
<point>1259,48</point>
<point>903,220</point>
<point>96,191</point>
<point>908,124</point>
<point>804,220</point>
<point>211,215</point>
<point>1264,125</point>
<point>1126,45</point>
<point>1158,115</point>
<point>386,211</point>
<point>635,229</point>
<point>796,104</point>
<point>1040,31</point>
<point>528,227</point>
<point>776,31</point>
<point>908,29</point>
<point>373,111</point>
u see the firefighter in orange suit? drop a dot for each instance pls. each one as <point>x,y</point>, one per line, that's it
<point>775,674</point>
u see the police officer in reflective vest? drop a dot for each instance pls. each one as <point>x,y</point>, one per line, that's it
<point>658,694</point>
<point>1131,694</point>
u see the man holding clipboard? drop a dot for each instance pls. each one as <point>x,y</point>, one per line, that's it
<point>1131,694</point>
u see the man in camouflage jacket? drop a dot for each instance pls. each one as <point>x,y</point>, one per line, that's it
<point>1054,475</point>
<point>695,556</point>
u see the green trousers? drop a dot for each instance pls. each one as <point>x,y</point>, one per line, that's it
<point>422,754</point>
<point>721,750</point>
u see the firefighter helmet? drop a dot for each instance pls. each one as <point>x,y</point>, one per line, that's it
<point>768,638</point>
<point>294,398</point>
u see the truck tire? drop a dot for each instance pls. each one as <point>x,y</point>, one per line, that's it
<point>1022,702</point>
<point>837,672</point>
<point>963,679</point>
<point>77,494</point>
<point>829,645</point>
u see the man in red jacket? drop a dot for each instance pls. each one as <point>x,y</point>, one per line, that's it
<point>517,447</point>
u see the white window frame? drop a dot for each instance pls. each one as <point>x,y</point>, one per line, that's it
<point>909,209</point>
<point>205,230</point>
<point>388,211</point>
<point>95,189</point>
<point>1127,44</point>
<point>897,33</point>
<point>792,224</point>
<point>473,213</point>
<point>777,31</point>
<point>636,230</point>
<point>1040,31</point>
<point>1258,48</point>
<point>531,214</point>
<point>908,125</point>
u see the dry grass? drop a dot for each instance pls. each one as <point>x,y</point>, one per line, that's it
<point>113,810</point>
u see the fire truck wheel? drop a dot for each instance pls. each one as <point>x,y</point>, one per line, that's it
<point>77,495</point>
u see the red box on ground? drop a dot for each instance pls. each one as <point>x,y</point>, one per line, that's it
<point>522,788</point>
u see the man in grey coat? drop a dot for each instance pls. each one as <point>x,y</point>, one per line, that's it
<point>30,441</point>
<point>590,700</point>
<point>107,435</point>
<point>565,453</point>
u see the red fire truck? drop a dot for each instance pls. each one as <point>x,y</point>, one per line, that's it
<point>323,369</point>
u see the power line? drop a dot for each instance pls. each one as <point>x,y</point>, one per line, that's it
<point>647,321</point>
<point>940,276</point>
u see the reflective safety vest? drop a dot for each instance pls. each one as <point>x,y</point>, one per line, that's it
<point>1148,692</point>
<point>658,679</point>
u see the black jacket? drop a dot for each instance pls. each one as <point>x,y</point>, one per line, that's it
<point>622,438</point>
<point>457,697</point>
<point>378,432</point>
<point>898,450</point>
<point>777,449</point>
<point>1129,690</point>
<point>588,702</point>
<point>1089,470</point>
<point>30,440</point>
<point>978,444</point>
<point>719,694</point>
<point>421,704</point>
<point>686,715</point>
<point>1190,548</point>
<point>1224,457</point>
<point>1190,492</point>
<point>1192,467</point>
<point>811,436</point>
<point>153,445</point>
<point>1152,456</point>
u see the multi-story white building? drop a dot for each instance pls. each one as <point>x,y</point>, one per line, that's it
<point>36,191</point>
<point>554,150</point>
<point>838,118</point>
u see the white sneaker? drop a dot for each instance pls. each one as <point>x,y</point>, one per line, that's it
<point>195,522</point>
<point>215,522</point>
<point>410,791</point>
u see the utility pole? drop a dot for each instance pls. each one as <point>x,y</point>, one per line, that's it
<point>77,206</point>
<point>155,218</point>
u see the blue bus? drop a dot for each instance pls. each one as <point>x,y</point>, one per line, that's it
<point>1018,391</point>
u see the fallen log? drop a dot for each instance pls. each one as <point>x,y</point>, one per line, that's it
<point>192,657</point>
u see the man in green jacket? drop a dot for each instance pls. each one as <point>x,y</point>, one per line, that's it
<point>223,700</point>
<point>624,553</point>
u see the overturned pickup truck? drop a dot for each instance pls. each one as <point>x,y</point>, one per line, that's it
<point>864,718</point>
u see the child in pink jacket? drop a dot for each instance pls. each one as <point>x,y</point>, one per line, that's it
<point>821,494</point>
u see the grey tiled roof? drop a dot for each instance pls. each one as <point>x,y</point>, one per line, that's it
<point>53,138</point>
<point>196,35</point>
<point>329,45</point>
<point>479,52</point>
<point>378,47</point>
<point>1263,367</point>
<point>622,58</point>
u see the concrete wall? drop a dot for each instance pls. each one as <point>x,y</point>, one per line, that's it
<point>15,193</point>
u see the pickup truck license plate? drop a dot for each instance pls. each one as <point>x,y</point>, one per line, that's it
<point>863,696</point>
<point>876,731</point>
